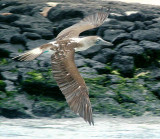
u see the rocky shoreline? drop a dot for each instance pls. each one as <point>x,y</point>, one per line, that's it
<point>122,80</point>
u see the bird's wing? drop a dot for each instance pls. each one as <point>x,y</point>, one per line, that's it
<point>89,22</point>
<point>34,53</point>
<point>70,81</point>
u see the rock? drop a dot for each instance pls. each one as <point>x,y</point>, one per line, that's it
<point>125,65</point>
<point>18,39</point>
<point>47,109</point>
<point>104,56</point>
<point>8,67</point>
<point>125,43</point>
<point>138,16</point>
<point>80,63</point>
<point>99,67</point>
<point>35,43</point>
<point>5,35</point>
<point>6,49</point>
<point>32,36</point>
<point>137,25</point>
<point>131,50</point>
<point>9,18</point>
<point>111,34</point>
<point>9,86</point>
<point>12,76</point>
<point>120,38</point>
<point>155,74</point>
<point>87,70</point>
<point>26,9</point>
<point>13,109</point>
<point>56,14</point>
<point>117,16</point>
<point>44,33</point>
<point>155,88</point>
<point>113,79</point>
<point>150,35</point>
<point>92,51</point>
<point>4,4</point>
<point>2,85</point>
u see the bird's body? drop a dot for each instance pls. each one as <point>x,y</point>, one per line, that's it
<point>65,71</point>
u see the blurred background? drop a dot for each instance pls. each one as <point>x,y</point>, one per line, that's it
<point>123,81</point>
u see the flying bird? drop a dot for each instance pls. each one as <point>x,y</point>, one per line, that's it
<point>64,68</point>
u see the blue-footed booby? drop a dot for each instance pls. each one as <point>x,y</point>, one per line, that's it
<point>65,71</point>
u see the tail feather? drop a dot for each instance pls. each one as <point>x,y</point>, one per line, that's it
<point>30,55</point>
<point>34,53</point>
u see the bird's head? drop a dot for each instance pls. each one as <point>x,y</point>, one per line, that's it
<point>100,41</point>
<point>95,40</point>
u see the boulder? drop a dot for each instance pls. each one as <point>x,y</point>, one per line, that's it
<point>105,55</point>
<point>57,14</point>
<point>10,86</point>
<point>32,36</point>
<point>12,76</point>
<point>18,39</point>
<point>149,35</point>
<point>111,34</point>
<point>6,35</point>
<point>131,50</point>
<point>124,64</point>
<point>120,38</point>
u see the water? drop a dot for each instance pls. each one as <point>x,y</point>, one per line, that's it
<point>76,128</point>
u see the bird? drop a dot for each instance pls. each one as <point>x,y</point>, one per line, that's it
<point>64,69</point>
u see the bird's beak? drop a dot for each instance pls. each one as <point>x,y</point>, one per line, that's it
<point>103,42</point>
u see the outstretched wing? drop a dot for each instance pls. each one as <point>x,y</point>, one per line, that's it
<point>34,53</point>
<point>71,83</point>
<point>89,22</point>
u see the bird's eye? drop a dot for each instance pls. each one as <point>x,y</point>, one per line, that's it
<point>98,40</point>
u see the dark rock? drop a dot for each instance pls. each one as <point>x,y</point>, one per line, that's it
<point>2,85</point>
<point>6,49</point>
<point>23,9</point>
<point>18,39</point>
<point>117,16</point>
<point>13,109</point>
<point>156,89</point>
<point>99,67</point>
<point>152,49</point>
<point>150,35</point>
<point>35,43</point>
<point>113,79</point>
<point>120,38</point>
<point>32,36</point>
<point>4,4</point>
<point>137,25</point>
<point>44,33</point>
<point>92,51</point>
<point>56,14</point>
<point>125,65</point>
<point>12,76</point>
<point>111,34</point>
<point>138,16</point>
<point>80,63</point>
<point>9,86</point>
<point>155,74</point>
<point>9,18</point>
<point>125,43</point>
<point>8,67</point>
<point>47,109</point>
<point>5,35</point>
<point>105,55</point>
<point>87,70</point>
<point>131,50</point>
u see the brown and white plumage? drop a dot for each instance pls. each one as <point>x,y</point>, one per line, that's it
<point>65,71</point>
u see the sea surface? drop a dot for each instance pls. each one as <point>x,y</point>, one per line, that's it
<point>75,128</point>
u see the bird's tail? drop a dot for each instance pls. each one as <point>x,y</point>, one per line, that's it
<point>34,53</point>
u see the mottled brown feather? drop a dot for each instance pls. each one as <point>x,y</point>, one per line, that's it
<point>89,22</point>
<point>70,81</point>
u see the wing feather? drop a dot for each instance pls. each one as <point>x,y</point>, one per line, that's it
<point>72,84</point>
<point>89,22</point>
